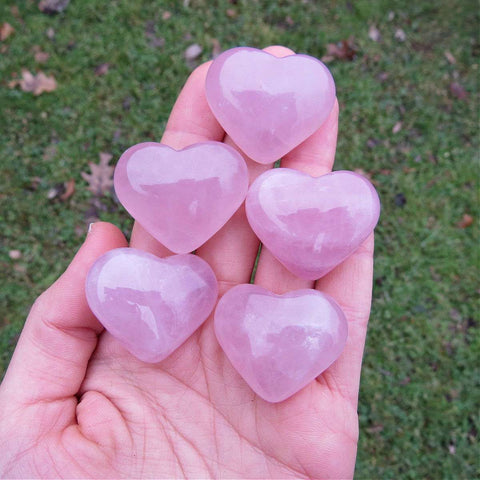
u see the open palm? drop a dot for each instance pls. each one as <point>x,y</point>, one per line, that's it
<point>74,403</point>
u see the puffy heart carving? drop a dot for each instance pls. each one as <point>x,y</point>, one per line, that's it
<point>150,304</point>
<point>268,105</point>
<point>312,224</point>
<point>279,343</point>
<point>182,197</point>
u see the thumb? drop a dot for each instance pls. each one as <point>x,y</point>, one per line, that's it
<point>60,334</point>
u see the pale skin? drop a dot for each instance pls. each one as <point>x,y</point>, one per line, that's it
<point>75,404</point>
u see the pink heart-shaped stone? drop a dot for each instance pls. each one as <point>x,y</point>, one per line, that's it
<point>150,304</point>
<point>181,197</point>
<point>279,343</point>
<point>312,224</point>
<point>268,105</point>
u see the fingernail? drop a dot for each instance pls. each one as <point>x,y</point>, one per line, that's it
<point>90,228</point>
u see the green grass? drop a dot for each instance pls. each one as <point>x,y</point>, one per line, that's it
<point>420,386</point>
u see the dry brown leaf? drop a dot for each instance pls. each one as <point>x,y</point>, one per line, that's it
<point>466,221</point>
<point>100,180</point>
<point>69,190</point>
<point>53,6</point>
<point>102,69</point>
<point>451,59</point>
<point>36,84</point>
<point>344,50</point>
<point>374,33</point>
<point>458,91</point>
<point>5,31</point>
<point>41,57</point>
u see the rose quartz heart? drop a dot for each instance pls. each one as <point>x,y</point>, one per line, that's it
<point>181,197</point>
<point>268,105</point>
<point>279,343</point>
<point>150,305</point>
<point>312,224</point>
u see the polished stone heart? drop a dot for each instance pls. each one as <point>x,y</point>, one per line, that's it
<point>150,305</point>
<point>312,224</point>
<point>279,343</point>
<point>268,105</point>
<point>182,197</point>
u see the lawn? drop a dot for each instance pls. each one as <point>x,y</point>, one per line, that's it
<point>408,93</point>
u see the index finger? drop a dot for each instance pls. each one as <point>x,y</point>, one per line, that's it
<point>191,121</point>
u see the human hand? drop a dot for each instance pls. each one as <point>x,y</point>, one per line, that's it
<point>74,403</point>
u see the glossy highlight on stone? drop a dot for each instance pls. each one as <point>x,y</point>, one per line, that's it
<point>182,198</point>
<point>279,343</point>
<point>268,105</point>
<point>150,304</point>
<point>312,224</point>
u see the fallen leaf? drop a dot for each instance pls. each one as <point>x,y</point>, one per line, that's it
<point>53,6</point>
<point>101,178</point>
<point>193,51</point>
<point>451,59</point>
<point>69,190</point>
<point>49,152</point>
<point>5,31</point>
<point>156,42</point>
<point>458,91</point>
<point>383,76</point>
<point>435,276</point>
<point>397,127</point>
<point>37,84</point>
<point>466,221</point>
<point>35,182</point>
<point>374,33</point>
<point>344,50</point>
<point>15,254</point>
<point>20,268</point>
<point>41,57</point>
<point>400,35</point>
<point>216,48</point>
<point>166,15</point>
<point>102,69</point>
<point>375,429</point>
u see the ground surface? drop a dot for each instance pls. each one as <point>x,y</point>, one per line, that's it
<point>409,111</point>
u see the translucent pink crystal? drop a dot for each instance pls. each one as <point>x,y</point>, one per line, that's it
<point>181,197</point>
<point>150,305</point>
<point>268,105</point>
<point>279,343</point>
<point>312,224</point>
